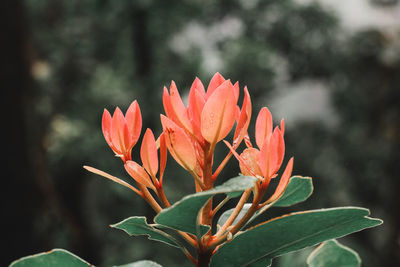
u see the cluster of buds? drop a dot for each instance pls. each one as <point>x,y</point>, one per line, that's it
<point>190,134</point>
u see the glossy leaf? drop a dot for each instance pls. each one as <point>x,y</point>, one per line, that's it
<point>331,254</point>
<point>291,232</point>
<point>298,190</point>
<point>261,263</point>
<point>224,216</point>
<point>135,226</point>
<point>183,214</point>
<point>55,257</point>
<point>144,263</point>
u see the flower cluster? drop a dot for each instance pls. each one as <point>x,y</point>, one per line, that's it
<point>190,135</point>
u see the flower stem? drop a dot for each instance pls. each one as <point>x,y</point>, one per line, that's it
<point>163,197</point>
<point>149,198</point>
<point>235,213</point>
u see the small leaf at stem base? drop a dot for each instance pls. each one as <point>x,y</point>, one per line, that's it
<point>331,254</point>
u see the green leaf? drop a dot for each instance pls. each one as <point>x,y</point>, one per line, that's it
<point>291,232</point>
<point>331,254</point>
<point>184,213</point>
<point>298,190</point>
<point>138,226</point>
<point>261,263</point>
<point>224,216</point>
<point>56,257</point>
<point>144,263</point>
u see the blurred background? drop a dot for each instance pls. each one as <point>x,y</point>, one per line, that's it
<point>331,69</point>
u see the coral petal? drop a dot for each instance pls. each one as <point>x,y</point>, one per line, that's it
<point>179,144</point>
<point>236,90</point>
<point>250,156</point>
<point>117,131</point>
<point>163,156</point>
<point>198,85</point>
<point>215,82</point>
<point>167,104</point>
<point>106,127</point>
<point>133,119</point>
<point>263,126</point>
<point>240,159</point>
<point>179,108</point>
<point>264,157</point>
<point>139,174</point>
<point>195,106</point>
<point>274,153</point>
<point>218,115</point>
<point>280,150</point>
<point>244,118</point>
<point>283,182</point>
<point>148,153</point>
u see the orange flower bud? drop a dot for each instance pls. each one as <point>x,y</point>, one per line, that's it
<point>122,132</point>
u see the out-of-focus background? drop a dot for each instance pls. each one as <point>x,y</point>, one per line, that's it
<point>330,68</point>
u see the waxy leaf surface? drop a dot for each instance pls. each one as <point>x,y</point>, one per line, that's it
<point>138,226</point>
<point>290,233</point>
<point>332,254</point>
<point>224,216</point>
<point>56,257</point>
<point>183,214</point>
<point>144,263</point>
<point>298,190</point>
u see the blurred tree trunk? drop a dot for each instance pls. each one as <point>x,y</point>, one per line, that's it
<point>19,197</point>
<point>29,194</point>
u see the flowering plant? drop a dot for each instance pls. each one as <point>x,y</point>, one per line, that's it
<point>198,224</point>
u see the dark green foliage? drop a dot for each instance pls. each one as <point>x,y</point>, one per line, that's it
<point>290,233</point>
<point>90,55</point>
<point>331,254</point>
